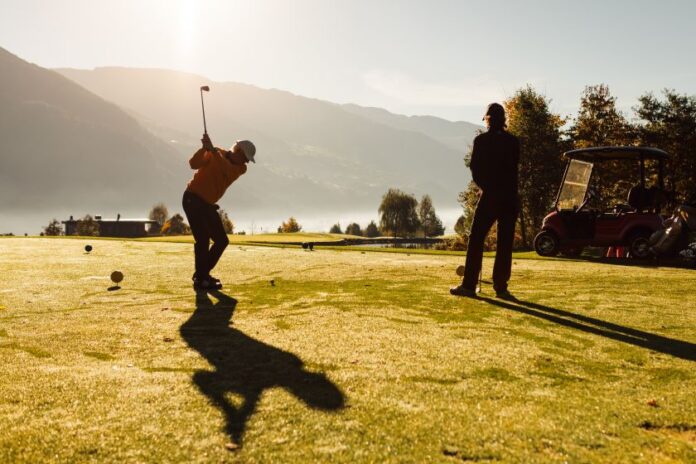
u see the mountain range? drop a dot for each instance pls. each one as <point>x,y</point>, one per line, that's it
<point>117,140</point>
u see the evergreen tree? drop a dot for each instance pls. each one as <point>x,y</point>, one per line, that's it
<point>354,229</point>
<point>371,230</point>
<point>541,167</point>
<point>430,223</point>
<point>670,124</point>
<point>598,124</point>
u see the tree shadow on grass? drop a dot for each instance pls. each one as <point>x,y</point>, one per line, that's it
<point>677,348</point>
<point>246,367</point>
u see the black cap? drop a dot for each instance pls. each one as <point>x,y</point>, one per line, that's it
<point>495,110</point>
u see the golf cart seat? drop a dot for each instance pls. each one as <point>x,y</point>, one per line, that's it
<point>643,199</point>
<point>638,198</point>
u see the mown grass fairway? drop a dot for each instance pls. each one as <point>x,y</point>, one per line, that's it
<point>349,357</point>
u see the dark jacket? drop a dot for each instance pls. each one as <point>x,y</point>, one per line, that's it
<point>494,164</point>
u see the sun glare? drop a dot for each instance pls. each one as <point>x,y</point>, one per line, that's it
<point>187,26</point>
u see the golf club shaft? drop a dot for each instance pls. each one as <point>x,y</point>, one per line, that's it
<point>205,128</point>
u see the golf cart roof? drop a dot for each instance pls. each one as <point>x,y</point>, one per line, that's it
<point>598,154</point>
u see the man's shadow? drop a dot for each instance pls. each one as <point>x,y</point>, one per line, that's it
<point>246,366</point>
<point>673,347</point>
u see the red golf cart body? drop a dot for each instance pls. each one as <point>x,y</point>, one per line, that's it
<point>573,226</point>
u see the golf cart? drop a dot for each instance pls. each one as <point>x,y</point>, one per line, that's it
<point>575,225</point>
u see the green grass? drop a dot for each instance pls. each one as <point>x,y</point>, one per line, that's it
<point>347,357</point>
<point>297,237</point>
<point>324,241</point>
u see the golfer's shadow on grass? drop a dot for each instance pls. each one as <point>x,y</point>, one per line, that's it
<point>246,367</point>
<point>677,348</point>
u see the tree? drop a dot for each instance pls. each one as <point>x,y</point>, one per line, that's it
<point>371,230</point>
<point>670,124</point>
<point>541,167</point>
<point>227,223</point>
<point>159,213</point>
<point>176,226</point>
<point>336,229</point>
<point>87,226</point>
<point>290,226</point>
<point>398,213</point>
<point>53,228</point>
<point>354,229</point>
<point>468,199</point>
<point>599,123</point>
<point>430,223</point>
<point>460,226</point>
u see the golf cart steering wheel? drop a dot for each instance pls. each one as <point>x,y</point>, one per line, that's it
<point>589,195</point>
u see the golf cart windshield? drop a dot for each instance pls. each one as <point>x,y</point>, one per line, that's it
<point>574,185</point>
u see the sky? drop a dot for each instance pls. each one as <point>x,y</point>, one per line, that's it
<point>439,57</point>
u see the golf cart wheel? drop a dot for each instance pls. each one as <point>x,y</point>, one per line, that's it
<point>546,243</point>
<point>639,245</point>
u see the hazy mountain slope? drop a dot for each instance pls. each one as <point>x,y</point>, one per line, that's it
<point>325,156</point>
<point>64,148</point>
<point>456,135</point>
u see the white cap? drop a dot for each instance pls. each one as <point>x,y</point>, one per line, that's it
<point>248,148</point>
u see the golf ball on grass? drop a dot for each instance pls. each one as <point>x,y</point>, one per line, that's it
<point>116,277</point>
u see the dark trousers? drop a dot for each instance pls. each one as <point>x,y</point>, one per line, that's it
<point>487,212</point>
<point>205,224</point>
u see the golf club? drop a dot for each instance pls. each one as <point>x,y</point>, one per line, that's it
<point>207,89</point>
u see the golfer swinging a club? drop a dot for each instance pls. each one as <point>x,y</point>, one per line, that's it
<point>494,168</point>
<point>216,169</point>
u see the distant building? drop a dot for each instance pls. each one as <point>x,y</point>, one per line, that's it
<point>114,227</point>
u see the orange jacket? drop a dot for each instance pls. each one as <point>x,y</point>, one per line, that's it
<point>214,174</point>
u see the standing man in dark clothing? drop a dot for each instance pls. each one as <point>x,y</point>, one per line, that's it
<point>494,168</point>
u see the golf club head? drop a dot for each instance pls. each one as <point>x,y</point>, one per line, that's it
<point>205,88</point>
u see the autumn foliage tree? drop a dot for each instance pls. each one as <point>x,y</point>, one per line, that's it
<point>468,199</point>
<point>227,223</point>
<point>290,226</point>
<point>176,226</point>
<point>158,213</point>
